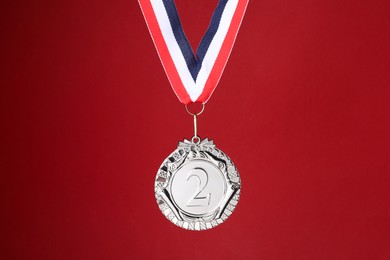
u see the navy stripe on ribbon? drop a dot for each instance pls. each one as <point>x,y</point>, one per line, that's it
<point>194,63</point>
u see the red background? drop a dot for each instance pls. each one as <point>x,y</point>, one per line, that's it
<point>88,115</point>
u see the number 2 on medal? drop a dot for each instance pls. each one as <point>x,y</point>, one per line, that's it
<point>199,199</point>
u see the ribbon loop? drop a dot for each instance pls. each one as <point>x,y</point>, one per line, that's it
<point>193,77</point>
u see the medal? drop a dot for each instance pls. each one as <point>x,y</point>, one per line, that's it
<point>197,186</point>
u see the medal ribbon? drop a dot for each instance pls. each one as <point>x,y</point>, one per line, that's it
<point>193,76</point>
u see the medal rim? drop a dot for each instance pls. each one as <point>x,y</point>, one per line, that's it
<point>226,209</point>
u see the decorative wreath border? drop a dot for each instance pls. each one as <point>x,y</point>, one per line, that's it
<point>187,151</point>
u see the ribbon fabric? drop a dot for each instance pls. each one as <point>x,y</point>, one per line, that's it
<point>193,76</point>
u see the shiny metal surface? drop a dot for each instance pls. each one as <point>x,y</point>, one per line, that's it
<point>197,187</point>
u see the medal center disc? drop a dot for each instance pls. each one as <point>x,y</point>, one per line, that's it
<point>198,187</point>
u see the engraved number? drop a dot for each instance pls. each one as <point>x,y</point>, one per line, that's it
<point>199,199</point>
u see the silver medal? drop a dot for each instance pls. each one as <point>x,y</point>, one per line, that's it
<point>197,187</point>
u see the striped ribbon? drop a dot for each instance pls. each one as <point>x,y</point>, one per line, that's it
<point>193,76</point>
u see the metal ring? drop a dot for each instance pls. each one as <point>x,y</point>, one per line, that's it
<point>195,114</point>
<point>195,138</point>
